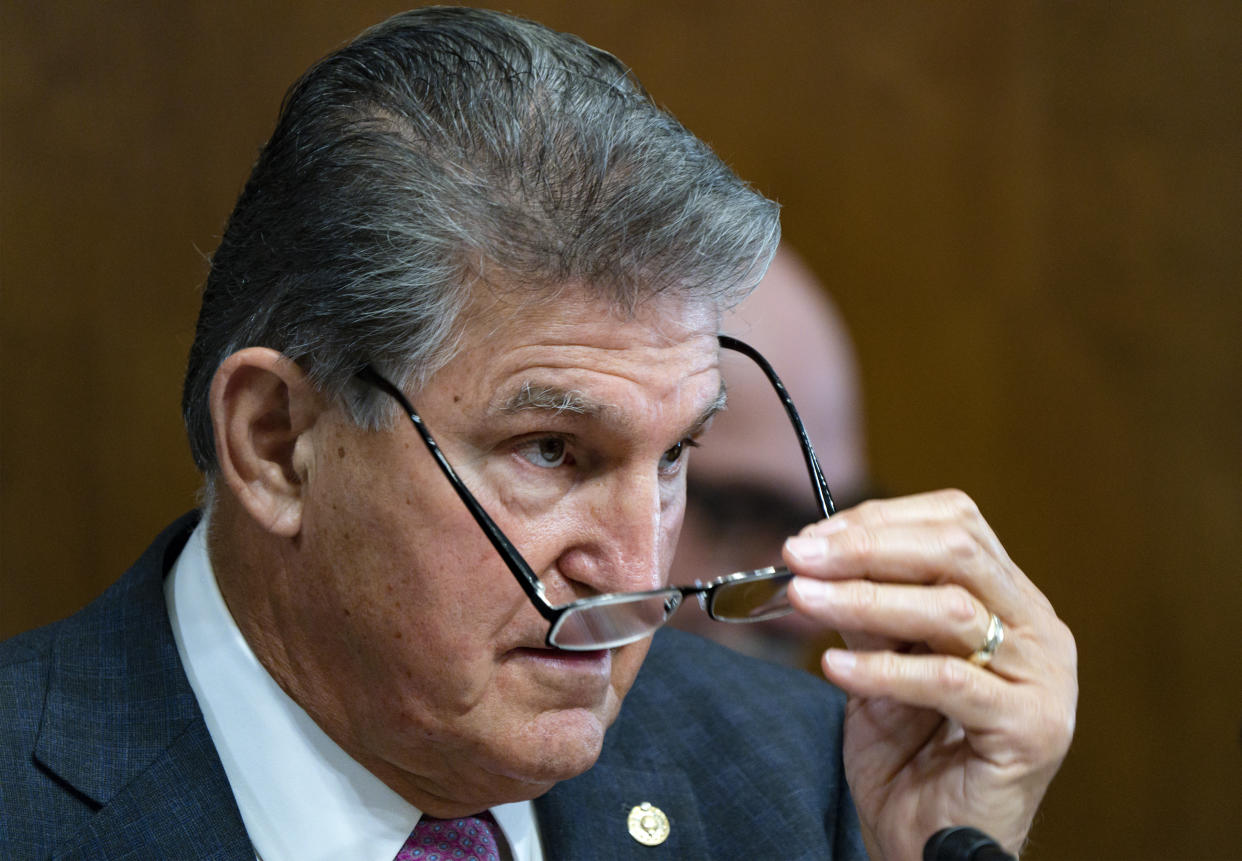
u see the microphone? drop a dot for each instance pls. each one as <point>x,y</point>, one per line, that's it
<point>963,844</point>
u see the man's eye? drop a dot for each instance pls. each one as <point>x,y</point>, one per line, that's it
<point>670,458</point>
<point>549,452</point>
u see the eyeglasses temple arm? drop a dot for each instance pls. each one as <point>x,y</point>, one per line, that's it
<point>818,483</point>
<point>526,578</point>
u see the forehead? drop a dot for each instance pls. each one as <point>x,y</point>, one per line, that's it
<point>577,344</point>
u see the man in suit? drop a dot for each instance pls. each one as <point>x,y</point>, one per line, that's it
<point>457,342</point>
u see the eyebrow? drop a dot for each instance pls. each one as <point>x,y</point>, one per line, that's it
<point>557,400</point>
<point>717,405</point>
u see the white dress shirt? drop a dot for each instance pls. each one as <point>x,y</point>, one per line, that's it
<point>301,797</point>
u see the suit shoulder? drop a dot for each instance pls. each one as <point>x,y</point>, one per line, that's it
<point>32,645</point>
<point>25,661</point>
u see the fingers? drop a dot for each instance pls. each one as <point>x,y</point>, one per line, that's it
<point>971,696</point>
<point>911,554</point>
<point>947,618</point>
<point>929,539</point>
<point>982,702</point>
<point>937,507</point>
<point>924,571</point>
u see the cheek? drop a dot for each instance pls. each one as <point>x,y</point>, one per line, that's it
<point>430,660</point>
<point>405,598</point>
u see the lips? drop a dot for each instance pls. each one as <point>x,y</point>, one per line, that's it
<point>597,659</point>
<point>554,668</point>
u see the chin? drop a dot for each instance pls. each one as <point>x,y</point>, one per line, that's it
<point>519,765</point>
<point>556,747</point>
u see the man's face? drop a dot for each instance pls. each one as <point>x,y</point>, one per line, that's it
<point>416,648</point>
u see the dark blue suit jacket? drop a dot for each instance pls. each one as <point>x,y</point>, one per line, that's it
<point>104,752</point>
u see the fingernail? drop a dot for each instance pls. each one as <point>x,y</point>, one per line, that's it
<point>840,660</point>
<point>807,549</point>
<point>811,590</point>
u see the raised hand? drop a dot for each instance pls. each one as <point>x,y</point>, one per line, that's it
<point>933,737</point>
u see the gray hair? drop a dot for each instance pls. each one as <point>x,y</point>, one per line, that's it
<point>439,145</point>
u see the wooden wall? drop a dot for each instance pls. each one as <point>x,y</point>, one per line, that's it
<point>1028,212</point>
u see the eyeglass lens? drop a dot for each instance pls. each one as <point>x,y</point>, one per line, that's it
<point>607,626</point>
<point>749,596</point>
<point>754,596</point>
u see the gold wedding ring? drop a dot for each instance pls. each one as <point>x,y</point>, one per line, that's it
<point>991,642</point>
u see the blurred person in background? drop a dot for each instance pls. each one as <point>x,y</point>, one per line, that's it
<point>748,490</point>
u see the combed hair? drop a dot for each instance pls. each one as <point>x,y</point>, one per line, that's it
<point>437,147</point>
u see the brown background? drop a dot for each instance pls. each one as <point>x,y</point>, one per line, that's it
<point>1028,212</point>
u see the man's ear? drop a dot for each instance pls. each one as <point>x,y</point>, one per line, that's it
<point>262,406</point>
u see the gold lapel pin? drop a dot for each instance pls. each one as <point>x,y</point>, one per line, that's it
<point>648,824</point>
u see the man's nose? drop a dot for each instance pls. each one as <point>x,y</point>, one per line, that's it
<point>624,545</point>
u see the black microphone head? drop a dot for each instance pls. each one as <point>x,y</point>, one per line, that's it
<point>961,843</point>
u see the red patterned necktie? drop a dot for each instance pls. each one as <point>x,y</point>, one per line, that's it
<point>471,838</point>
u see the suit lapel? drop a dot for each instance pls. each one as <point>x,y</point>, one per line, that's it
<point>178,807</point>
<point>122,727</point>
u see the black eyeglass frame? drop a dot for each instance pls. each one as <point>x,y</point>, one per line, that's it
<point>673,595</point>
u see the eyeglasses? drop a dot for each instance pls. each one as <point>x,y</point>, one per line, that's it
<point>616,619</point>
